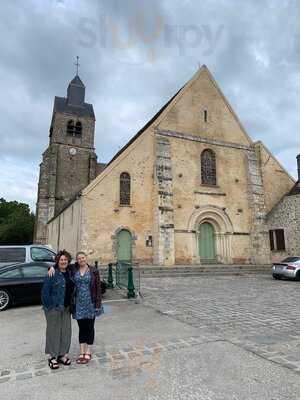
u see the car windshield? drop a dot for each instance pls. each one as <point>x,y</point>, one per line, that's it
<point>292,260</point>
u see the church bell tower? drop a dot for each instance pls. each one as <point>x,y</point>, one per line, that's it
<point>70,162</point>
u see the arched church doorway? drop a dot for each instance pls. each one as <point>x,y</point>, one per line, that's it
<point>124,245</point>
<point>207,245</point>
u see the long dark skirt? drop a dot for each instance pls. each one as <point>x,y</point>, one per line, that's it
<point>58,332</point>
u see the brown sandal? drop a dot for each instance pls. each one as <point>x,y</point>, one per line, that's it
<point>87,355</point>
<point>81,359</point>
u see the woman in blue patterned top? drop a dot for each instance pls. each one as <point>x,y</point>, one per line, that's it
<point>85,302</point>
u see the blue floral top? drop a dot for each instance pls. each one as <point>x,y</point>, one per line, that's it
<point>84,305</point>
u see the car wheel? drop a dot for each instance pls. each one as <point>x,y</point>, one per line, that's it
<point>297,276</point>
<point>5,299</point>
<point>275,276</point>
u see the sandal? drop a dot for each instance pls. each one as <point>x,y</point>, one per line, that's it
<point>81,359</point>
<point>52,364</point>
<point>63,360</point>
<point>89,357</point>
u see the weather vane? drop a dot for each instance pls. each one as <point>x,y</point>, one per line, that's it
<point>77,64</point>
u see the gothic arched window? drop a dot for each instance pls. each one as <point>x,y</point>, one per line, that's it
<point>208,167</point>
<point>70,127</point>
<point>78,128</point>
<point>124,189</point>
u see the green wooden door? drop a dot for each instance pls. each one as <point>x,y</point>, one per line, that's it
<point>124,250</point>
<point>207,243</point>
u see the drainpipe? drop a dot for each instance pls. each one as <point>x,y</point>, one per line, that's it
<point>58,235</point>
<point>298,166</point>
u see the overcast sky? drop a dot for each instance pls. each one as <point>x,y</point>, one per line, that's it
<point>134,56</point>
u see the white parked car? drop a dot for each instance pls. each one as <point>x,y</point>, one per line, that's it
<point>25,254</point>
<point>287,268</point>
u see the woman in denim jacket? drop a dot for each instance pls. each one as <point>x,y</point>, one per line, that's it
<point>86,302</point>
<point>56,298</point>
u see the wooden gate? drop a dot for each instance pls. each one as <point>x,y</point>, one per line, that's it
<point>207,246</point>
<point>124,246</point>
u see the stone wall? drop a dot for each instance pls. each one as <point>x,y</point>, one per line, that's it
<point>187,114</point>
<point>62,174</point>
<point>164,250</point>
<point>103,216</point>
<point>59,127</point>
<point>64,232</point>
<point>45,206</point>
<point>286,215</point>
<point>168,200</point>
<point>225,206</point>
<point>259,245</point>
<point>276,181</point>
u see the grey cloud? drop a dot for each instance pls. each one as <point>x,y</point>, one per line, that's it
<point>254,57</point>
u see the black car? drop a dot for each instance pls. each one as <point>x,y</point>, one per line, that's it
<point>22,283</point>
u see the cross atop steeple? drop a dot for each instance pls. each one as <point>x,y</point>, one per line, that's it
<point>77,65</point>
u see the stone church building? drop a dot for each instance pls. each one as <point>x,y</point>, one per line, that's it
<point>283,222</point>
<point>190,187</point>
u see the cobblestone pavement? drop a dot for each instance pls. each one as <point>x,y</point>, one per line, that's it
<point>117,360</point>
<point>204,338</point>
<point>256,313</point>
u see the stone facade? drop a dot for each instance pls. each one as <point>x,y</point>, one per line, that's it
<point>70,163</point>
<point>169,203</point>
<point>164,247</point>
<point>286,216</point>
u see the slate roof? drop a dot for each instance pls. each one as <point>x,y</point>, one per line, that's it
<point>61,105</point>
<point>77,81</point>
<point>295,189</point>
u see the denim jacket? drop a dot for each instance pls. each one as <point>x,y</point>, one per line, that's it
<point>53,291</point>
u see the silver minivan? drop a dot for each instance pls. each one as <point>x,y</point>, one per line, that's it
<point>26,253</point>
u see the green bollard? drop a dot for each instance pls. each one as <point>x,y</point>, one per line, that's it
<point>110,280</point>
<point>130,291</point>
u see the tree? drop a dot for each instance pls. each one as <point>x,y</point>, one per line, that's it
<point>16,223</point>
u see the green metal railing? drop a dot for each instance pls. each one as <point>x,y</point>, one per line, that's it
<point>128,277</point>
<point>124,275</point>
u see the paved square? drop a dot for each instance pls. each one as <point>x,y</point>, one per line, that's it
<point>207,338</point>
<point>257,313</point>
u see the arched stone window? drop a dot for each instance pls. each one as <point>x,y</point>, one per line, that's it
<point>70,127</point>
<point>124,189</point>
<point>78,128</point>
<point>208,167</point>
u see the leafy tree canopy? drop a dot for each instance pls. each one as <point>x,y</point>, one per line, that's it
<point>16,223</point>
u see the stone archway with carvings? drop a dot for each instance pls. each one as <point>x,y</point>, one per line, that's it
<point>223,228</point>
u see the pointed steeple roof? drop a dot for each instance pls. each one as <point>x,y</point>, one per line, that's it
<point>76,81</point>
<point>74,102</point>
<point>76,92</point>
